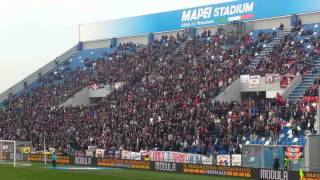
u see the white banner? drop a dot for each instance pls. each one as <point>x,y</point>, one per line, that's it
<point>271,94</point>
<point>100,153</point>
<point>130,155</point>
<point>244,79</point>
<point>92,148</point>
<point>254,82</point>
<point>118,85</point>
<point>207,160</point>
<point>272,78</point>
<point>236,159</point>
<point>223,160</point>
<point>89,153</point>
<point>117,154</point>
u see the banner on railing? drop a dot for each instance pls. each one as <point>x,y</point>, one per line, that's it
<point>223,160</point>
<point>272,78</point>
<point>254,82</point>
<point>100,153</point>
<point>286,80</point>
<point>91,150</point>
<point>236,160</point>
<point>244,79</point>
<point>89,153</point>
<point>130,155</point>
<point>199,159</point>
<point>168,156</point>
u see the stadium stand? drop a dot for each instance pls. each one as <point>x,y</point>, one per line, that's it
<point>165,103</point>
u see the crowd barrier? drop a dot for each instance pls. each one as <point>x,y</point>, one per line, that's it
<point>200,169</point>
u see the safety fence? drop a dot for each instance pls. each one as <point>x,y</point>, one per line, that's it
<point>200,169</point>
<point>262,156</point>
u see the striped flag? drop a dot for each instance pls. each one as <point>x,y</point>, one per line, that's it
<point>233,18</point>
<point>242,17</point>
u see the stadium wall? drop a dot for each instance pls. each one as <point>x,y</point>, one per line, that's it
<point>81,98</point>
<point>136,39</point>
<point>212,29</point>
<point>312,156</point>
<point>310,18</point>
<point>295,83</point>
<point>267,23</point>
<point>97,44</point>
<point>231,93</point>
<point>84,96</point>
<point>171,33</point>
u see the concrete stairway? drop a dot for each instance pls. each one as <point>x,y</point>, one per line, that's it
<point>269,47</point>
<point>306,82</point>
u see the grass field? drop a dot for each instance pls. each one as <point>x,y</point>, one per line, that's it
<point>41,172</point>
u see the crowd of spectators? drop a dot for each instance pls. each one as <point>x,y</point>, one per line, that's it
<point>166,100</point>
<point>287,58</point>
<point>313,90</point>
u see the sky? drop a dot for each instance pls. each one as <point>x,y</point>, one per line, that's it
<point>34,32</point>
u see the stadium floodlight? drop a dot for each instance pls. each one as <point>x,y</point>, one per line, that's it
<point>15,153</point>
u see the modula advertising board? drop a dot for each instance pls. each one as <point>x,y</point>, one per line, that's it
<point>211,15</point>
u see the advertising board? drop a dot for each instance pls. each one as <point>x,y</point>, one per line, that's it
<point>119,163</point>
<point>204,16</point>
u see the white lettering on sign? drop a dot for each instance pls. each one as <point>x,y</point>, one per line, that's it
<point>161,166</point>
<point>82,160</point>
<point>196,14</point>
<point>233,9</point>
<point>273,174</point>
<point>205,13</point>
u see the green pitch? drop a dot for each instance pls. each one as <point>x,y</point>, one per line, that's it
<point>41,172</point>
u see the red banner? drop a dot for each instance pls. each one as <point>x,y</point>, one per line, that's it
<point>310,99</point>
<point>164,156</point>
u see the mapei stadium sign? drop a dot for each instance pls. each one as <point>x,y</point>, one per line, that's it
<point>211,15</point>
